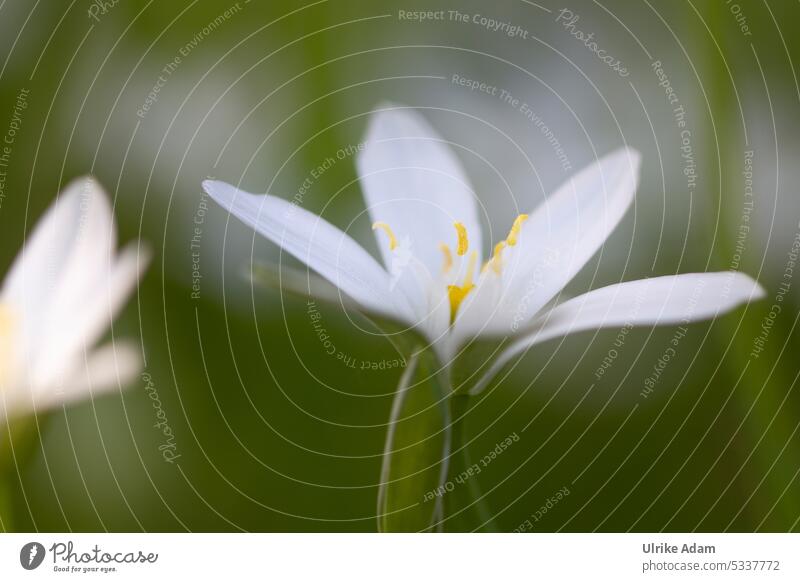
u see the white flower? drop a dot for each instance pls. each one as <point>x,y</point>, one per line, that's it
<point>59,299</point>
<point>415,188</point>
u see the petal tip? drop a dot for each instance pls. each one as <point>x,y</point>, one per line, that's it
<point>380,115</point>
<point>758,292</point>
<point>387,105</point>
<point>88,179</point>
<point>208,186</point>
<point>145,253</point>
<point>628,162</point>
<point>393,120</point>
<point>221,192</point>
<point>635,156</point>
<point>745,287</point>
<point>629,156</point>
<point>82,186</point>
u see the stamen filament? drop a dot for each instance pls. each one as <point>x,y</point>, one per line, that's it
<point>497,259</point>
<point>473,259</point>
<point>448,257</point>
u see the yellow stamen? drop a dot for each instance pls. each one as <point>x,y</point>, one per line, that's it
<point>457,293</point>
<point>388,230</point>
<point>496,262</point>
<point>498,248</point>
<point>463,241</point>
<point>448,257</point>
<point>473,259</point>
<point>515,228</point>
<point>497,258</point>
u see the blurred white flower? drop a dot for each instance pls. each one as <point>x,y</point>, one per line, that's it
<point>59,298</point>
<point>415,188</point>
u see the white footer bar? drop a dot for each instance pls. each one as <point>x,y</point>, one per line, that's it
<point>406,557</point>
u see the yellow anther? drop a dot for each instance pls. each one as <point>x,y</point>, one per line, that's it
<point>463,241</point>
<point>515,228</point>
<point>457,293</point>
<point>448,257</point>
<point>388,230</point>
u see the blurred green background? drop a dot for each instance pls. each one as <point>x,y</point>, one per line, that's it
<point>272,433</point>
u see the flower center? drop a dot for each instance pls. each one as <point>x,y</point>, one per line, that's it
<point>456,293</point>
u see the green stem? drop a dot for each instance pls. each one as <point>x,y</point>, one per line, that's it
<point>416,453</point>
<point>465,507</point>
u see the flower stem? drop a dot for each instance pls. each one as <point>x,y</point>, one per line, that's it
<point>465,507</point>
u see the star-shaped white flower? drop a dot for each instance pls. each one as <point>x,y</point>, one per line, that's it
<point>416,190</point>
<point>59,299</point>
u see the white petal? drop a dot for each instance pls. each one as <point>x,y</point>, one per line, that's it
<point>58,266</point>
<point>565,232</point>
<point>81,206</point>
<point>436,324</point>
<point>109,368</point>
<point>481,311</point>
<point>316,242</point>
<point>90,303</point>
<point>413,182</point>
<point>671,300</point>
